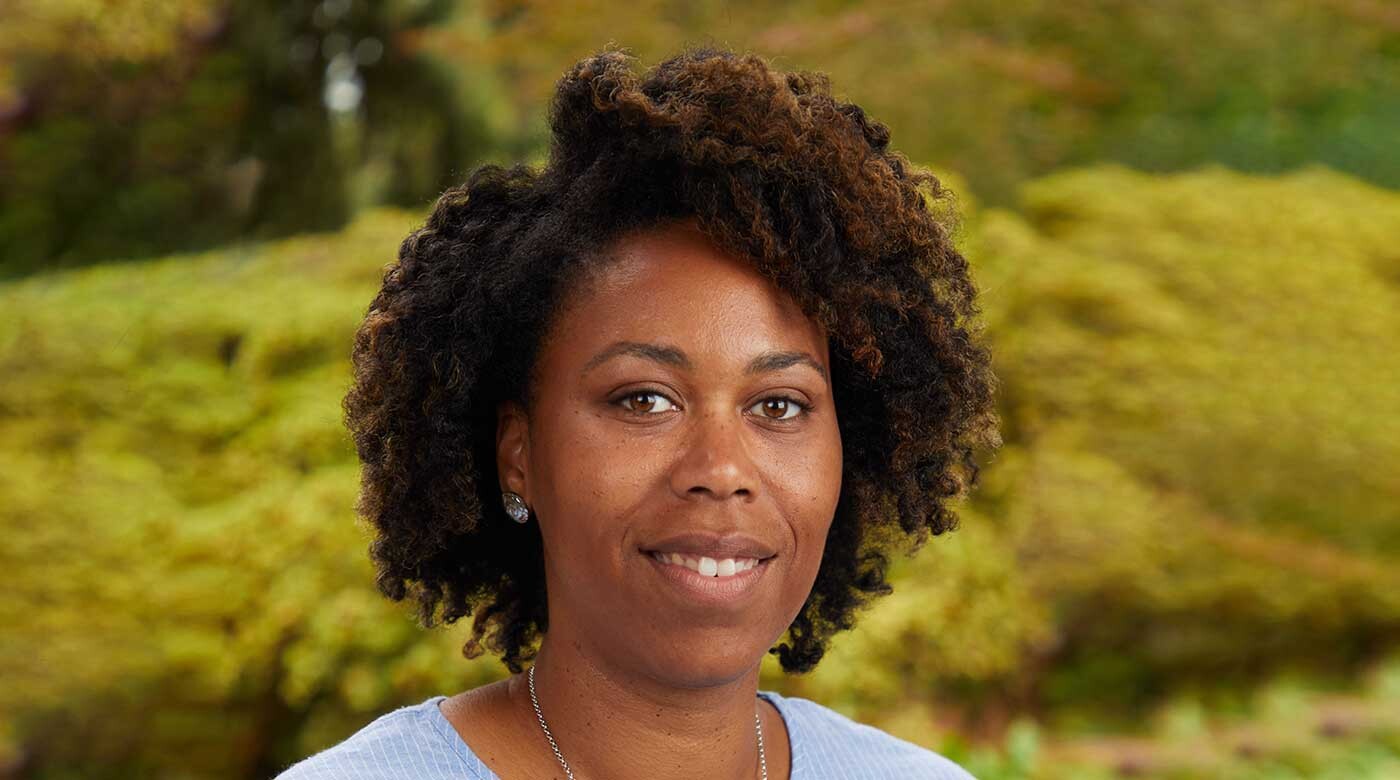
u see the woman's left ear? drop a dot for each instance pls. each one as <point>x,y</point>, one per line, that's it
<point>512,448</point>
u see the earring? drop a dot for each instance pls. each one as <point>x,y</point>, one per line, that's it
<point>515,507</point>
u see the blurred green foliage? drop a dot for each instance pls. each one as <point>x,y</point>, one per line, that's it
<point>176,126</point>
<point>1287,730</point>
<point>1200,404</point>
<point>183,125</point>
<point>1006,91</point>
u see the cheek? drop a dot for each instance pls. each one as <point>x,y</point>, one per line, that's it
<point>806,483</point>
<point>811,489</point>
<point>595,482</point>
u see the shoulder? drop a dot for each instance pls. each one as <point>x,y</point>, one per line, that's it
<point>407,741</point>
<point>828,744</point>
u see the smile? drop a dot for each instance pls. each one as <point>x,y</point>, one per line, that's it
<point>703,581</point>
<point>708,567</point>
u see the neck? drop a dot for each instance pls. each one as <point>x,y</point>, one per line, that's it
<point>610,724</point>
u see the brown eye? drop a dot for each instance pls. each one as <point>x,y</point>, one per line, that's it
<point>643,401</point>
<point>782,409</point>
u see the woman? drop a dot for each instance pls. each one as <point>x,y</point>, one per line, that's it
<point>652,408</point>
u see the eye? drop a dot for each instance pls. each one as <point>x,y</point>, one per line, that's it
<point>782,405</point>
<point>643,406</point>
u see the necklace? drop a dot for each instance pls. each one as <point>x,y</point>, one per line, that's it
<point>758,726</point>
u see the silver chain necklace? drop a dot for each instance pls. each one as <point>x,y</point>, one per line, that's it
<point>758,726</point>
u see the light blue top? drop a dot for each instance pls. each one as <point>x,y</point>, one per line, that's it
<point>417,742</point>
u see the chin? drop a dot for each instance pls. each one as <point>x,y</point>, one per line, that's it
<point>705,663</point>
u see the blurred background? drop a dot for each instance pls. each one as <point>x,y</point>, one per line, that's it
<point>1183,216</point>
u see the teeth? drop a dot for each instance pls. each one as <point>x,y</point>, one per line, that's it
<point>708,567</point>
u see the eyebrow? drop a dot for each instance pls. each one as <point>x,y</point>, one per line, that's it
<point>774,360</point>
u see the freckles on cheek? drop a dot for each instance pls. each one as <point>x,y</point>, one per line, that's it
<point>603,481</point>
<point>812,478</point>
<point>815,500</point>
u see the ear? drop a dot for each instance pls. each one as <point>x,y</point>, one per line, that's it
<point>513,448</point>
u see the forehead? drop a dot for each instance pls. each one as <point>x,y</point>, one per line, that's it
<point>672,284</point>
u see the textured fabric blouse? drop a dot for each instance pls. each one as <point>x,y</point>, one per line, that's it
<point>417,742</point>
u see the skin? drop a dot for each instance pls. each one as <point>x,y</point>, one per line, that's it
<point>634,680</point>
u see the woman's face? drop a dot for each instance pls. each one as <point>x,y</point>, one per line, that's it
<point>669,400</point>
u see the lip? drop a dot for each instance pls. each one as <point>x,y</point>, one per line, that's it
<point>696,544</point>
<point>694,587</point>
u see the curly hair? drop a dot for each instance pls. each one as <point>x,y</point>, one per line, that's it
<point>773,169</point>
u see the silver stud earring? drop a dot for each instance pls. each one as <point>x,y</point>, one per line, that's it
<point>515,507</point>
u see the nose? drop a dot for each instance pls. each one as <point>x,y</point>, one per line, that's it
<point>715,460</point>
